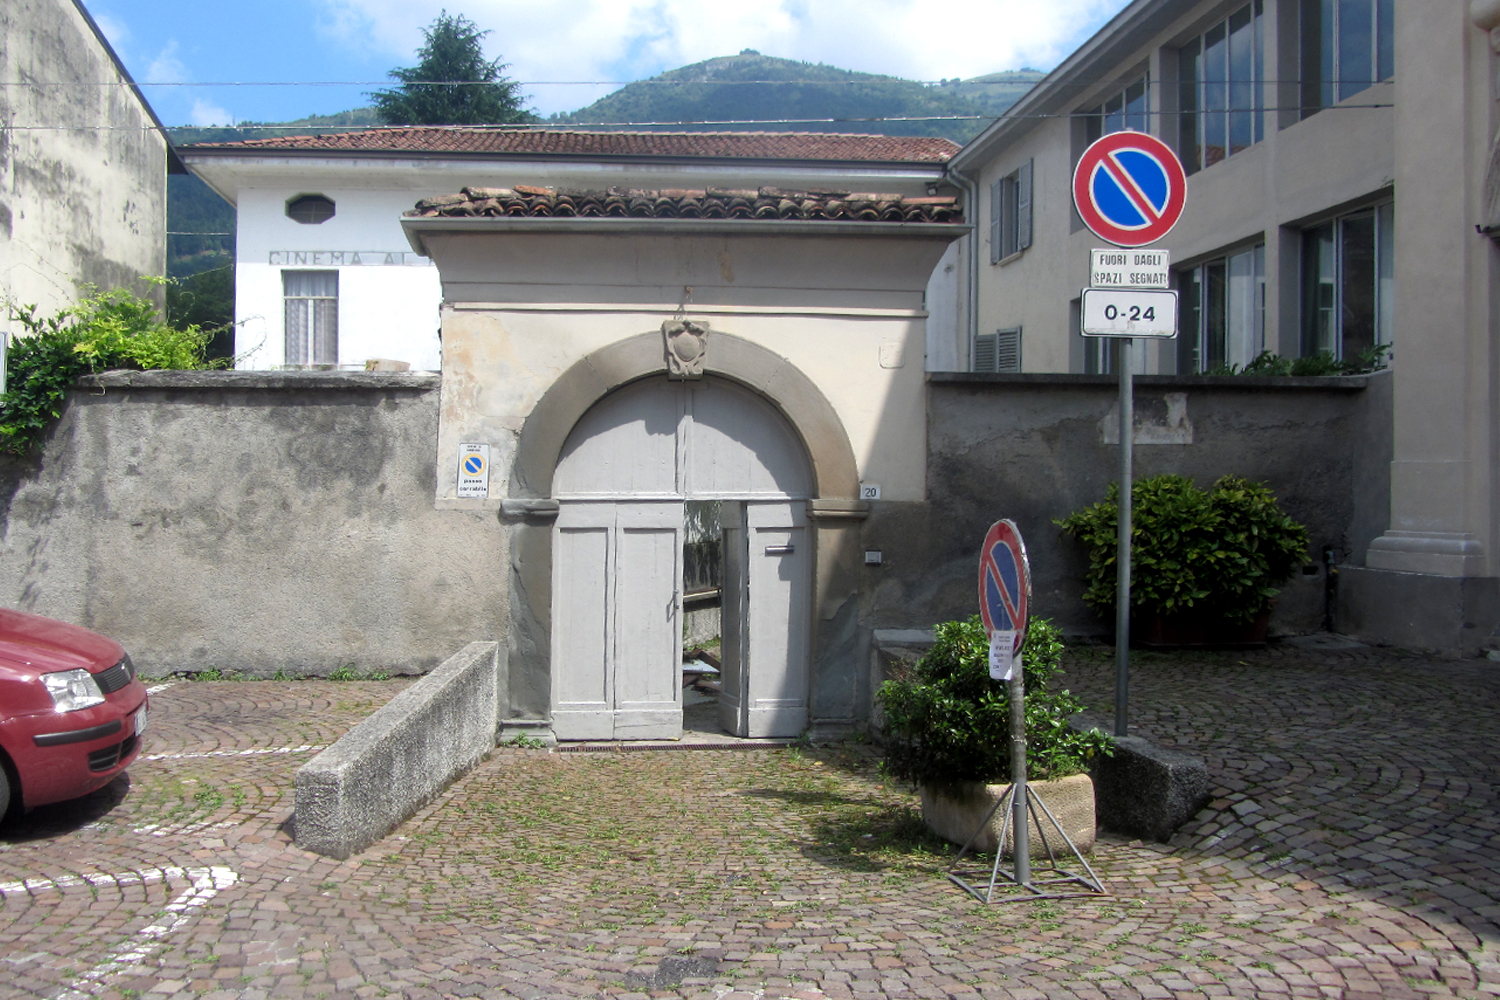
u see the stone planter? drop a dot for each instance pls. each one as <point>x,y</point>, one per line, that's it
<point>953,811</point>
<point>1187,630</point>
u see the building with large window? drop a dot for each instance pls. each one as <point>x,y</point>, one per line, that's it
<point>1313,133</point>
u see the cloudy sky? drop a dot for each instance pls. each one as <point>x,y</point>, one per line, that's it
<point>300,44</point>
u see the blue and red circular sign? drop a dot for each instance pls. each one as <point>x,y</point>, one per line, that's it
<point>1130,188</point>
<point>1004,581</point>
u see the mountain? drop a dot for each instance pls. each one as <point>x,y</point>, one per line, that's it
<point>354,120</point>
<point>782,95</point>
<point>997,91</point>
<point>767,94</point>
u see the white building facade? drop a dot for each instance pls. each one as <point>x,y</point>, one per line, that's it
<point>325,277</point>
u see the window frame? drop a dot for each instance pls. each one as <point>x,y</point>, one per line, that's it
<point>316,342</point>
<point>1096,119</point>
<point>1323,51</point>
<point>1215,318</point>
<point>1227,101</point>
<point>314,218</point>
<point>1011,213</point>
<point>1333,336</point>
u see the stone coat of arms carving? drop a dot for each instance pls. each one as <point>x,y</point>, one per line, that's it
<point>686,346</point>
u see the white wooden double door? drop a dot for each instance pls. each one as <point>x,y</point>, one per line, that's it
<point>617,619</point>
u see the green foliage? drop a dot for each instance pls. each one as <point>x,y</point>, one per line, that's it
<point>107,330</point>
<point>1220,551</point>
<point>1323,363</point>
<point>760,89</point>
<point>947,720</point>
<point>206,300</point>
<point>452,83</point>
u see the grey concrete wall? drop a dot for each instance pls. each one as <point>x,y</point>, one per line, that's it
<point>253,522</point>
<point>1036,447</point>
<point>398,759</point>
<point>83,203</point>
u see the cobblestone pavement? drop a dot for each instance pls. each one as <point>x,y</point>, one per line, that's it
<point>1350,852</point>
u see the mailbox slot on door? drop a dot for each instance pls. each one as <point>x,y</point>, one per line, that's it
<point>780,550</point>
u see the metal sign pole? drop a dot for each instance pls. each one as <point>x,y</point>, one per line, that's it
<point>1122,552</point>
<point>1021,834</point>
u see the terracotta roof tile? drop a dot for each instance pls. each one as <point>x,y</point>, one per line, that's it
<point>471,139</point>
<point>767,203</point>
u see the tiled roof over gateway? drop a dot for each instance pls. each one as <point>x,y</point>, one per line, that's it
<point>766,203</point>
<point>471,140</point>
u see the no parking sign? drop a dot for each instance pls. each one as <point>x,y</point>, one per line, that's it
<point>1130,188</point>
<point>1004,595</point>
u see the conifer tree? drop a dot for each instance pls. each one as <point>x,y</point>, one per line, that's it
<point>452,83</point>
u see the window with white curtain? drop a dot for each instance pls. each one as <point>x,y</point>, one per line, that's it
<point>312,317</point>
<point>1223,312</point>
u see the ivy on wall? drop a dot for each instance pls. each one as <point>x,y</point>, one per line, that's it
<point>114,329</point>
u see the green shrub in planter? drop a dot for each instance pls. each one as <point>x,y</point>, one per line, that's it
<point>946,720</point>
<point>1220,552</point>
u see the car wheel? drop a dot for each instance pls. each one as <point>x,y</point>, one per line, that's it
<point>4,793</point>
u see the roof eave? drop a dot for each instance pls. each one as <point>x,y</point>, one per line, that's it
<point>417,228</point>
<point>190,153</point>
<point>1059,90</point>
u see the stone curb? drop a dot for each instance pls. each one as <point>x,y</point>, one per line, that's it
<point>400,758</point>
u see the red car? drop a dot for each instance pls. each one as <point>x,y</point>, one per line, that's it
<point>72,710</point>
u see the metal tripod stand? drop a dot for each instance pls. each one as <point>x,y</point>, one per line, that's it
<point>1020,803</point>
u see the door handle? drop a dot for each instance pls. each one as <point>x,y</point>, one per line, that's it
<point>780,550</point>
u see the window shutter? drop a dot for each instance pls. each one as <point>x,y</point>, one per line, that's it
<point>1007,350</point>
<point>1023,206</point>
<point>996,193</point>
<point>986,353</point>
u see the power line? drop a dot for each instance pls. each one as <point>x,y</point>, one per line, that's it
<point>939,84</point>
<point>567,126</point>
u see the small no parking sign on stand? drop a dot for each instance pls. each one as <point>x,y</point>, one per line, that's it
<point>1004,596</point>
<point>1004,607</point>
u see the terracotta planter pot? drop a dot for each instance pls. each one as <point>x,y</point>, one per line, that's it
<point>1189,630</point>
<point>954,810</point>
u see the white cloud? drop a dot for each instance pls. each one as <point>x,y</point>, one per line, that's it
<point>166,67</point>
<point>207,113</point>
<point>631,39</point>
<point>117,31</point>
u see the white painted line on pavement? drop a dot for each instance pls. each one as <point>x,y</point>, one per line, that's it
<point>207,882</point>
<point>258,751</point>
<point>159,687</point>
<point>145,875</point>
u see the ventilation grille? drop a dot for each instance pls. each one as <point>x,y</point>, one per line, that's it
<point>115,677</point>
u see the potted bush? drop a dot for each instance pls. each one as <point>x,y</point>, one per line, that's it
<point>1205,564</point>
<point>947,730</point>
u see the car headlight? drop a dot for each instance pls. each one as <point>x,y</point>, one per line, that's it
<point>73,689</point>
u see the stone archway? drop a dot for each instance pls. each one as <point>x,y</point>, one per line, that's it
<point>833,513</point>
<point>835,475</point>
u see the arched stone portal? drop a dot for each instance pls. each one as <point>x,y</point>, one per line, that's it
<point>825,509</point>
